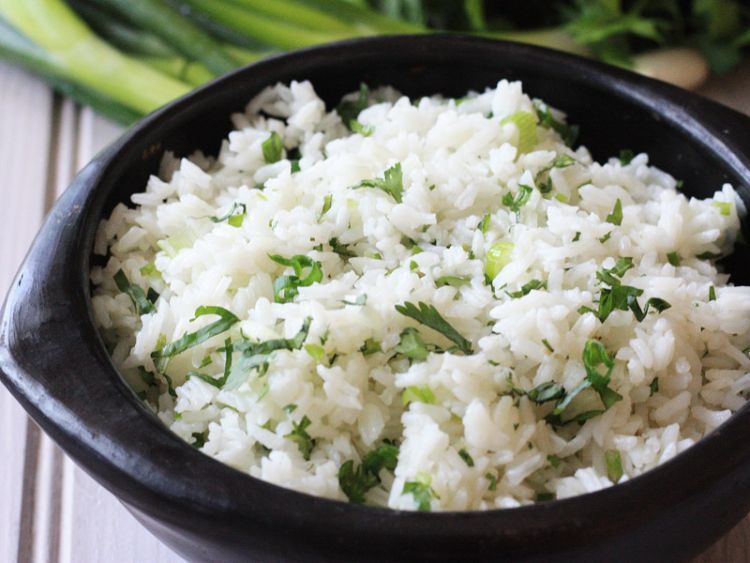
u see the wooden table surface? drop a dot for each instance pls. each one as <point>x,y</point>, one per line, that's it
<point>50,510</point>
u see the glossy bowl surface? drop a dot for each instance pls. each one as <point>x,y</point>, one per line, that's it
<point>53,360</point>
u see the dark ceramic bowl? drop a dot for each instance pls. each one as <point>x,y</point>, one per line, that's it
<point>53,360</point>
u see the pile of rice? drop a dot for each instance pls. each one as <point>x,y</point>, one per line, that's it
<point>416,421</point>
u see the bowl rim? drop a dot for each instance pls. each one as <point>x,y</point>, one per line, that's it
<point>114,462</point>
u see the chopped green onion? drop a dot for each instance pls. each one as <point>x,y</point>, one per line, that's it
<point>273,148</point>
<point>484,224</point>
<point>315,351</point>
<point>420,394</point>
<point>712,293</point>
<point>499,255</point>
<point>725,208</point>
<point>525,123</point>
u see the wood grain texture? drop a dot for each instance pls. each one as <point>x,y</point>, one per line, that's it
<point>51,510</point>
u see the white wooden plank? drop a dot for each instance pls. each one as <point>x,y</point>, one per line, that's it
<point>26,115</point>
<point>118,536</point>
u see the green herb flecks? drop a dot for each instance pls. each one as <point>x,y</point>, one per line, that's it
<point>285,288</point>
<point>527,288</point>
<point>492,486</point>
<point>614,465</point>
<point>391,183</point>
<point>453,281</point>
<point>355,481</point>
<point>370,347</point>
<point>421,491</point>
<point>569,133</point>
<point>138,297</point>
<point>521,198</point>
<point>234,217</point>
<point>466,457</point>
<point>484,224</point>
<point>349,110</point>
<point>420,394</point>
<point>256,355</point>
<point>626,156</point>
<point>226,321</point>
<point>411,345</point>
<point>429,316</point>
<point>357,127</point>
<point>712,293</point>
<point>616,216</point>
<point>543,179</point>
<point>674,258</point>
<point>299,436</point>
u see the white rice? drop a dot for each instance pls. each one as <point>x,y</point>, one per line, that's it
<point>458,160</point>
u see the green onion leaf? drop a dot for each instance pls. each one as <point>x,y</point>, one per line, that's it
<point>420,394</point>
<point>525,123</point>
<point>725,208</point>
<point>499,255</point>
<point>273,148</point>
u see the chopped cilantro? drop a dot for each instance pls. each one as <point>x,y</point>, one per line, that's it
<point>527,288</point>
<point>569,133</point>
<point>420,394</point>
<point>429,316</point>
<point>273,148</point>
<point>616,216</point>
<point>614,465</point>
<point>453,281</point>
<point>712,293</point>
<point>547,345</point>
<point>521,198</point>
<point>299,436</point>
<point>554,461</point>
<point>341,249</point>
<point>285,287</point>
<point>626,156</point>
<point>606,237</point>
<point>357,127</point>
<point>234,217</point>
<point>466,457</point>
<point>290,408</point>
<point>577,236</point>
<point>674,258</point>
<point>411,345</point>
<point>256,355</point>
<point>493,481</point>
<point>349,110</point>
<point>708,256</point>
<point>391,183</point>
<point>137,296</point>
<point>226,321</point>
<point>356,481</point>
<point>149,270</point>
<point>545,497</point>
<point>370,347</point>
<point>654,386</point>
<point>228,351</point>
<point>327,202</point>
<point>199,439</point>
<point>421,491</point>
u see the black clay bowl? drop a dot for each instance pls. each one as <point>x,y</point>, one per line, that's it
<point>54,362</point>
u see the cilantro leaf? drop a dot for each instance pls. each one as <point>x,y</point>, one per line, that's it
<point>411,345</point>
<point>273,148</point>
<point>256,355</point>
<point>569,133</point>
<point>421,491</point>
<point>616,216</point>
<point>515,203</point>
<point>299,436</point>
<point>453,281</point>
<point>466,457</point>
<point>356,481</point>
<point>527,288</point>
<point>429,316</point>
<point>357,127</point>
<point>370,347</point>
<point>141,303</point>
<point>349,110</point>
<point>391,183</point>
<point>226,321</point>
<point>285,287</point>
